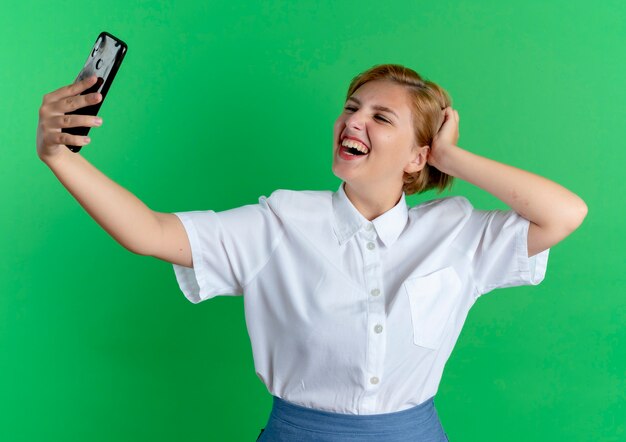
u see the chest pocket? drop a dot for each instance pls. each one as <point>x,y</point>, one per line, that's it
<point>432,300</point>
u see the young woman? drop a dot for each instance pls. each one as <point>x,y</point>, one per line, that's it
<point>353,301</point>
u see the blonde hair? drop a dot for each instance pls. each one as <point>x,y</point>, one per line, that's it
<point>428,100</point>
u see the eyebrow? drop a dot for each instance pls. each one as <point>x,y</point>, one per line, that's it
<point>376,106</point>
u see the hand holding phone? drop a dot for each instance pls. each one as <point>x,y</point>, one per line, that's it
<point>103,61</point>
<point>53,116</point>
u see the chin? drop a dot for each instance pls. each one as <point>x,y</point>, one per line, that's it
<point>338,172</point>
<point>346,177</point>
<point>345,171</point>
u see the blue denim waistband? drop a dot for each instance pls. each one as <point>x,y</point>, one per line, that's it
<point>385,423</point>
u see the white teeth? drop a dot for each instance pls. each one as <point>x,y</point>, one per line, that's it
<point>355,144</point>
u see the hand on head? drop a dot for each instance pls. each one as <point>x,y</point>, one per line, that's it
<point>447,136</point>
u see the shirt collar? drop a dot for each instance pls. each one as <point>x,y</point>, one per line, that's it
<point>348,220</point>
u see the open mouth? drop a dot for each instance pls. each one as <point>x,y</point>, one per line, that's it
<point>352,151</point>
<point>350,147</point>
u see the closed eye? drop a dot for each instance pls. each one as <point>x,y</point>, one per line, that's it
<point>351,108</point>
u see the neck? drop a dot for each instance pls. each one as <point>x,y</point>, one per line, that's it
<point>371,203</point>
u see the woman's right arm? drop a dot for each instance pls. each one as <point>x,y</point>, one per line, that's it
<point>121,214</point>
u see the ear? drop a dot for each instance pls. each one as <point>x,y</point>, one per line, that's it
<point>418,160</point>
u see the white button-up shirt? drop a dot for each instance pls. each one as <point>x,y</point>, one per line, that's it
<point>348,315</point>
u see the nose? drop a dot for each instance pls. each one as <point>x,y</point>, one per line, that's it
<point>355,121</point>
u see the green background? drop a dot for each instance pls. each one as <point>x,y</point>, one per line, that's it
<point>220,102</point>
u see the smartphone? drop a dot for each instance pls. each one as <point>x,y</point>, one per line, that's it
<point>104,60</point>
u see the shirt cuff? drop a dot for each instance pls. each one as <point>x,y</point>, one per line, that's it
<point>191,279</point>
<point>533,269</point>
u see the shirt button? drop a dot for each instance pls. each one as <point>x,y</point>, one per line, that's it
<point>374,380</point>
<point>375,292</point>
<point>378,328</point>
<point>369,227</point>
<point>371,245</point>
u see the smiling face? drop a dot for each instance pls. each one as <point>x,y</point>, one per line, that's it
<point>378,114</point>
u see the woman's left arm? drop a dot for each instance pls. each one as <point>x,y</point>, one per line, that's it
<point>553,211</point>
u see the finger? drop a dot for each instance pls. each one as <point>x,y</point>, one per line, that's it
<point>72,89</point>
<point>69,139</point>
<point>446,117</point>
<point>69,104</point>
<point>65,121</point>
<point>450,112</point>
